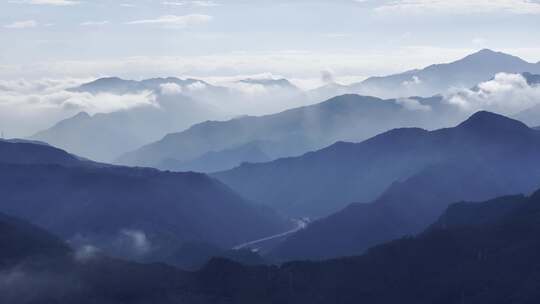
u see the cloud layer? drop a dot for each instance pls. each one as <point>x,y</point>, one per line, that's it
<point>29,106</point>
<point>460,6</point>
<point>506,94</point>
<point>174,21</point>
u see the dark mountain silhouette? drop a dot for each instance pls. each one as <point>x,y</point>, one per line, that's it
<point>194,255</point>
<point>20,241</point>
<point>475,253</point>
<point>486,156</point>
<point>24,152</point>
<point>289,133</point>
<point>437,78</point>
<point>36,267</point>
<point>138,213</point>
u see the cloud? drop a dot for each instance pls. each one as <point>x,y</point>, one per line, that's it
<point>506,94</point>
<point>29,106</point>
<point>22,24</point>
<point>413,104</point>
<point>136,240</point>
<point>170,89</point>
<point>460,6</point>
<point>86,253</point>
<point>48,2</point>
<point>174,21</point>
<point>415,80</point>
<point>196,86</point>
<point>95,23</point>
<point>193,3</point>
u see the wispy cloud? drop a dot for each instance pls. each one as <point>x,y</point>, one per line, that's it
<point>175,21</point>
<point>22,24</point>
<point>193,3</point>
<point>460,6</point>
<point>95,23</point>
<point>47,2</point>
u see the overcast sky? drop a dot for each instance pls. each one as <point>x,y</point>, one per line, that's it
<point>296,39</point>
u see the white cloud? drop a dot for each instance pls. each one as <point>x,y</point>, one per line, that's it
<point>170,89</point>
<point>196,86</point>
<point>137,240</point>
<point>506,94</point>
<point>95,23</point>
<point>415,80</point>
<point>193,3</point>
<point>29,106</point>
<point>174,21</point>
<point>413,105</point>
<point>22,24</point>
<point>460,6</point>
<point>48,2</point>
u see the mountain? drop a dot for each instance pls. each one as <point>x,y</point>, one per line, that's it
<point>475,253</point>
<point>104,136</point>
<point>438,78</point>
<point>137,213</point>
<point>486,156</point>
<point>532,79</point>
<point>36,267</point>
<point>24,152</point>
<point>487,256</point>
<point>251,152</point>
<point>322,182</point>
<point>289,133</point>
<point>120,86</point>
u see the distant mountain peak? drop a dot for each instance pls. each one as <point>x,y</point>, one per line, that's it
<point>81,115</point>
<point>487,51</point>
<point>490,56</point>
<point>488,121</point>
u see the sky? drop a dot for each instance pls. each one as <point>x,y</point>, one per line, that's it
<point>51,45</point>
<point>214,39</point>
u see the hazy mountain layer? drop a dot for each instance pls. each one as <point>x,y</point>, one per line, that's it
<point>104,136</point>
<point>130,212</point>
<point>289,133</point>
<point>322,182</point>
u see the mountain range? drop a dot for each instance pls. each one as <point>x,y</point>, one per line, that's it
<point>289,133</point>
<point>411,174</point>
<point>137,213</point>
<point>349,118</point>
<point>104,136</point>
<point>475,253</point>
<point>181,103</point>
<point>439,78</point>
